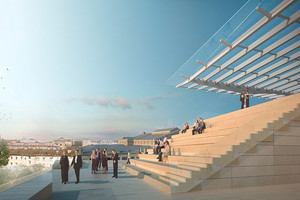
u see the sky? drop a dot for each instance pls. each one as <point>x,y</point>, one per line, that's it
<point>99,69</point>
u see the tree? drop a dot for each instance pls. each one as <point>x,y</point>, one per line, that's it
<point>4,153</point>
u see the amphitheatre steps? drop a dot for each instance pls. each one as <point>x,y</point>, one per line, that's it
<point>162,168</point>
<point>248,147</point>
<point>154,179</point>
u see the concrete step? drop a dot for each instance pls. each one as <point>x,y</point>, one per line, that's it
<point>197,160</point>
<point>172,182</point>
<point>193,164</point>
<point>154,179</point>
<point>161,168</point>
<point>196,141</point>
<point>173,176</point>
<point>205,134</point>
<point>292,131</point>
<point>294,123</point>
<point>194,168</point>
<point>188,150</point>
<point>252,109</point>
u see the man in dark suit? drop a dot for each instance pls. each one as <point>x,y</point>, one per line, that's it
<point>77,164</point>
<point>115,163</point>
<point>98,159</point>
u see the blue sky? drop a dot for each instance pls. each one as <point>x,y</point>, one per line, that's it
<point>98,69</point>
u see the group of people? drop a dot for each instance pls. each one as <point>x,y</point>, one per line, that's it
<point>97,158</point>
<point>159,145</point>
<point>165,153</point>
<point>185,128</point>
<point>244,98</point>
<point>198,127</point>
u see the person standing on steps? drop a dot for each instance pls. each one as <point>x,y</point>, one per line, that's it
<point>242,99</point>
<point>247,96</point>
<point>115,163</point>
<point>77,165</point>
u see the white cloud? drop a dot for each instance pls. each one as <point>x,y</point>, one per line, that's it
<point>122,102</point>
<point>114,102</point>
<point>148,102</point>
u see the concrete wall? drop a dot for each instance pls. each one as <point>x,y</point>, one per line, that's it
<point>276,161</point>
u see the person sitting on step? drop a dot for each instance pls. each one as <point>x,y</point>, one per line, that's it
<point>195,128</point>
<point>160,145</point>
<point>166,152</point>
<point>203,126</point>
<point>156,146</point>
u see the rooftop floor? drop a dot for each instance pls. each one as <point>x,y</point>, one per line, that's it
<point>128,186</point>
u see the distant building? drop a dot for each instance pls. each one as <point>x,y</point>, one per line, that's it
<point>98,142</point>
<point>32,156</point>
<point>121,149</point>
<point>148,139</point>
<point>59,144</point>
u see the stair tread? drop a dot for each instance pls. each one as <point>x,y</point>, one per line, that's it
<point>163,164</point>
<point>152,174</point>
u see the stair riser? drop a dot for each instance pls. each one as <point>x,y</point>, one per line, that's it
<point>163,169</point>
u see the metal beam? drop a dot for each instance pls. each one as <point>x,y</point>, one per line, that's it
<point>283,25</point>
<point>292,88</point>
<point>269,60</point>
<point>274,74</point>
<point>296,91</point>
<point>235,88</point>
<point>275,97</point>
<point>282,77</point>
<point>252,30</point>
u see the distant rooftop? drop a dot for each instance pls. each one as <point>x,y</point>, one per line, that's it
<point>123,149</point>
<point>160,133</point>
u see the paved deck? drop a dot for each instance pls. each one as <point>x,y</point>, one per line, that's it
<point>128,186</point>
<point>27,189</point>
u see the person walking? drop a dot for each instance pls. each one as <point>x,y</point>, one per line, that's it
<point>77,165</point>
<point>128,157</point>
<point>64,167</point>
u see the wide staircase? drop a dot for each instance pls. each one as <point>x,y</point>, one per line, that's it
<point>256,146</point>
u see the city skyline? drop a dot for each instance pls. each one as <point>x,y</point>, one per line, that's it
<point>100,70</point>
